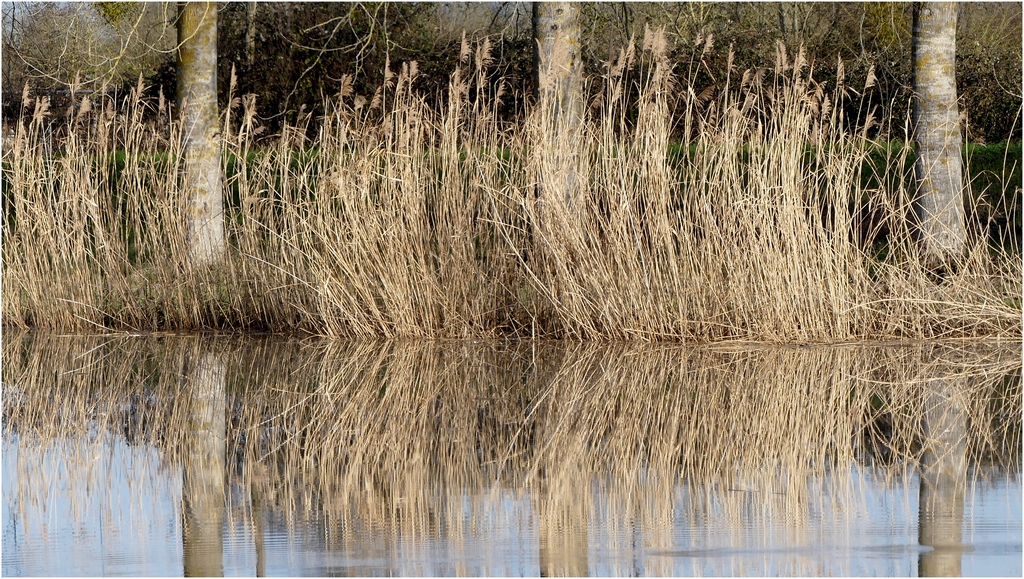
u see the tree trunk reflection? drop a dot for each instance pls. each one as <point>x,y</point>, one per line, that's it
<point>203,496</point>
<point>563,536</point>
<point>257,531</point>
<point>943,478</point>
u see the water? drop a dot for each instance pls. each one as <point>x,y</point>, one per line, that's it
<point>201,456</point>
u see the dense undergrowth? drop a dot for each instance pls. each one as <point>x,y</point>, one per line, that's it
<point>779,223</point>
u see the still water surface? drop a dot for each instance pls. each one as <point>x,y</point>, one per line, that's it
<point>202,456</point>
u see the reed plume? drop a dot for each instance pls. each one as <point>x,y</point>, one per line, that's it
<point>395,219</point>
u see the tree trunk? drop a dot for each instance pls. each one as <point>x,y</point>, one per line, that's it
<point>938,205</point>
<point>558,80</point>
<point>197,102</point>
<point>558,70</point>
<point>250,34</point>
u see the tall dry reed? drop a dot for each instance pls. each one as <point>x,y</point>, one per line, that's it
<point>398,220</point>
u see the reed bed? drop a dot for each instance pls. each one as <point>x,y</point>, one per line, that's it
<point>385,436</point>
<point>396,220</point>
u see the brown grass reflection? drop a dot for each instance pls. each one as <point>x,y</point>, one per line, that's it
<point>395,440</point>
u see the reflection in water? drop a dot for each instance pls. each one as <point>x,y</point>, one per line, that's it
<point>563,526</point>
<point>509,459</point>
<point>203,470</point>
<point>943,474</point>
<point>256,523</point>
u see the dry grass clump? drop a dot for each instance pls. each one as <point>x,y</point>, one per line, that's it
<point>386,435</point>
<point>395,220</point>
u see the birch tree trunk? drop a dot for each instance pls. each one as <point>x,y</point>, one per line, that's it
<point>938,207</point>
<point>197,101</point>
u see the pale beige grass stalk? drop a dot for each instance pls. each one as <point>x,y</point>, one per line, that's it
<point>395,220</point>
<point>383,434</point>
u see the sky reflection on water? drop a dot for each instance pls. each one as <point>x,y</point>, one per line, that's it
<point>501,460</point>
